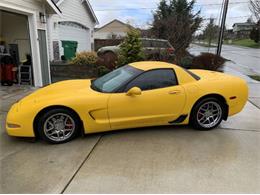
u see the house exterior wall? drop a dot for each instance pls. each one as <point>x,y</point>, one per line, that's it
<point>242,30</point>
<point>73,11</point>
<point>110,35</point>
<point>31,9</point>
<point>115,29</point>
<point>243,27</point>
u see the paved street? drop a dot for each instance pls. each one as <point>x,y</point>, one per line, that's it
<point>245,60</point>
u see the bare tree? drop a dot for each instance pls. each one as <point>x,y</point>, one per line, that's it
<point>211,31</point>
<point>255,8</point>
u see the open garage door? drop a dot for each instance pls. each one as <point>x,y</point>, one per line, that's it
<point>15,43</point>
<point>71,31</point>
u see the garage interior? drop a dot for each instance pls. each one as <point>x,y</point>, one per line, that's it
<point>15,49</point>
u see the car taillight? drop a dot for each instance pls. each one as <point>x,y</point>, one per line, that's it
<point>171,50</point>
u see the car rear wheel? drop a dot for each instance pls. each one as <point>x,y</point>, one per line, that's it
<point>58,126</point>
<point>207,114</point>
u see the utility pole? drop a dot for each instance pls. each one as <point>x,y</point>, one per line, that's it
<point>222,28</point>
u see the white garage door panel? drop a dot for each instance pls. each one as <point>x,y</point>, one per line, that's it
<point>82,36</point>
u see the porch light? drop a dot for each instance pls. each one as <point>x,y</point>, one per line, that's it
<point>42,18</point>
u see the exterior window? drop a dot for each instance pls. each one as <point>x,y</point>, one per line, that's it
<point>154,79</point>
<point>160,44</point>
<point>146,43</point>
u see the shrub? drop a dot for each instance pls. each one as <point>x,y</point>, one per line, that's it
<point>102,70</point>
<point>131,49</point>
<point>85,58</point>
<point>208,61</point>
<point>255,34</point>
<point>186,61</point>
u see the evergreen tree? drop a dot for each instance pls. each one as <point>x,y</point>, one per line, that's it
<point>176,21</point>
<point>211,31</point>
<point>131,48</point>
<point>255,33</point>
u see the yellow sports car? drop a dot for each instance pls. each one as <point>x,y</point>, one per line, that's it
<point>137,95</point>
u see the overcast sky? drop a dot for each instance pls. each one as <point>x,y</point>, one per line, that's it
<point>129,10</point>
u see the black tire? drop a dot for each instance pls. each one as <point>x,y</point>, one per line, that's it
<point>46,116</point>
<point>194,122</point>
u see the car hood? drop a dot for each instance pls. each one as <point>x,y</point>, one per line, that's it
<point>61,90</point>
<point>109,48</point>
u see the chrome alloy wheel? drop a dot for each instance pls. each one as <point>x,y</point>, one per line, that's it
<point>59,127</point>
<point>209,114</point>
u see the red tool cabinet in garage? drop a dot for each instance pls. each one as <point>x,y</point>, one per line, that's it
<point>6,70</point>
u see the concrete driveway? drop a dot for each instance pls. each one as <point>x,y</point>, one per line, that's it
<point>151,160</point>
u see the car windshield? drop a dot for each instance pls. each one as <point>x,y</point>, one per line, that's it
<point>114,80</point>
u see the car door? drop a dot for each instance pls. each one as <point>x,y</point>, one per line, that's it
<point>162,101</point>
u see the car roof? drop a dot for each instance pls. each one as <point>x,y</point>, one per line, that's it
<point>149,65</point>
<point>151,39</point>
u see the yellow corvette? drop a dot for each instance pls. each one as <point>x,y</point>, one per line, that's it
<point>137,95</point>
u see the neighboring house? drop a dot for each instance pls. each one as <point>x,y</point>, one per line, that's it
<point>23,30</point>
<point>242,30</point>
<point>73,30</point>
<point>113,30</point>
<point>229,34</point>
<point>146,33</point>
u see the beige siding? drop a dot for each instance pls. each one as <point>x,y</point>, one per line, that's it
<point>115,28</point>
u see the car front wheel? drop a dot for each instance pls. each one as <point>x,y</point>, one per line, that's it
<point>207,114</point>
<point>58,126</point>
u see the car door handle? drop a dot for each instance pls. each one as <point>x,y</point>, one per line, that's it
<point>175,92</point>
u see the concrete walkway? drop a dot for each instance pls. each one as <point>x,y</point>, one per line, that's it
<point>151,160</point>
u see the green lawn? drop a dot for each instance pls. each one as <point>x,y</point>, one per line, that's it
<point>246,43</point>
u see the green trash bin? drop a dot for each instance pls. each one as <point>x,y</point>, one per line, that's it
<point>70,49</point>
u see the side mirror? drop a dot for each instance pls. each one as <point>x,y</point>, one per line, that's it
<point>134,91</point>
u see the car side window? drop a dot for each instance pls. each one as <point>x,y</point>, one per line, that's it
<point>154,79</point>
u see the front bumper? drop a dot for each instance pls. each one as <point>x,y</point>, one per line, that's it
<point>18,123</point>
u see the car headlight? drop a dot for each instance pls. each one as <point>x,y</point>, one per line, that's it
<point>100,51</point>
